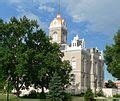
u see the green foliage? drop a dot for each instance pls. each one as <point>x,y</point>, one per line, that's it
<point>22,48</point>
<point>112,56</point>
<point>100,93</point>
<point>32,94</point>
<point>13,57</point>
<point>117,95</point>
<point>64,72</point>
<point>42,95</point>
<point>35,95</point>
<point>89,94</point>
<point>28,58</point>
<point>110,84</point>
<point>80,95</point>
<point>56,87</point>
<point>2,82</point>
<point>67,97</point>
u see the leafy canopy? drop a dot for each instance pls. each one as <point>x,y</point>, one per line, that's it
<point>27,57</point>
<point>112,56</point>
<point>110,84</point>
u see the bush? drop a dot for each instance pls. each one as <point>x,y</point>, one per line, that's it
<point>67,97</point>
<point>80,95</point>
<point>56,88</point>
<point>35,95</point>
<point>41,95</point>
<point>117,95</point>
<point>100,93</point>
<point>89,95</point>
<point>32,94</point>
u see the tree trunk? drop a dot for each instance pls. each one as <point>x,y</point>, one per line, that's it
<point>17,93</point>
<point>17,87</point>
<point>42,89</point>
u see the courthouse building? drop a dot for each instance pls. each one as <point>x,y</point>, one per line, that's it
<point>87,64</point>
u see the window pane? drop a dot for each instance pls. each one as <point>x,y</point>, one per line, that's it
<point>73,64</point>
<point>55,36</point>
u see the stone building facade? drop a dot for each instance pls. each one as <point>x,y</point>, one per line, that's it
<point>87,64</point>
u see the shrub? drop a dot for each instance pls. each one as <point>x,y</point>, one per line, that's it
<point>117,95</point>
<point>35,95</point>
<point>32,94</point>
<point>41,95</point>
<point>100,93</point>
<point>56,88</point>
<point>67,97</point>
<point>88,95</point>
<point>80,95</point>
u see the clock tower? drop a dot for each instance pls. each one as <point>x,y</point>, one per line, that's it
<point>58,30</point>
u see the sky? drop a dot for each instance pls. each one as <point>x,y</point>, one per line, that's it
<point>94,20</point>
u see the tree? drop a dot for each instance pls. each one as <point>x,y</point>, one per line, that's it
<point>56,88</point>
<point>60,81</point>
<point>44,59</point>
<point>64,71</point>
<point>38,47</point>
<point>23,46</point>
<point>110,84</point>
<point>27,57</point>
<point>13,51</point>
<point>89,96</point>
<point>112,56</point>
<point>100,93</point>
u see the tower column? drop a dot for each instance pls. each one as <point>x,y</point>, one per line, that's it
<point>92,75</point>
<point>85,74</point>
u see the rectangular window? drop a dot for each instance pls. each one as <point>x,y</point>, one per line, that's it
<point>73,64</point>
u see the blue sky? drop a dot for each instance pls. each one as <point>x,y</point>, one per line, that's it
<point>94,20</point>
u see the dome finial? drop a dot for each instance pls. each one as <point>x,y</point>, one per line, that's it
<point>59,7</point>
<point>58,14</point>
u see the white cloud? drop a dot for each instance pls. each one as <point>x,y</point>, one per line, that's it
<point>46,8</point>
<point>103,15</point>
<point>35,17</point>
<point>43,5</point>
<point>30,15</point>
<point>14,1</point>
<point>23,10</point>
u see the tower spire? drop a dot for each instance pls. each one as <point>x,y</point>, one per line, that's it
<point>59,7</point>
<point>58,14</point>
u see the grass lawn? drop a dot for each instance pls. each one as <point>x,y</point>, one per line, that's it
<point>14,98</point>
<point>11,96</point>
<point>32,100</point>
<point>107,99</point>
<point>74,98</point>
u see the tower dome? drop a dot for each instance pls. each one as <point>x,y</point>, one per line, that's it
<point>58,22</point>
<point>58,30</point>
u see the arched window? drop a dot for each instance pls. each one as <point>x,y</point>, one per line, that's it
<point>75,44</point>
<point>73,62</point>
<point>63,35</point>
<point>55,37</point>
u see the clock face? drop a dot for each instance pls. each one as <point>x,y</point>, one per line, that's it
<point>55,22</point>
<point>55,37</point>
